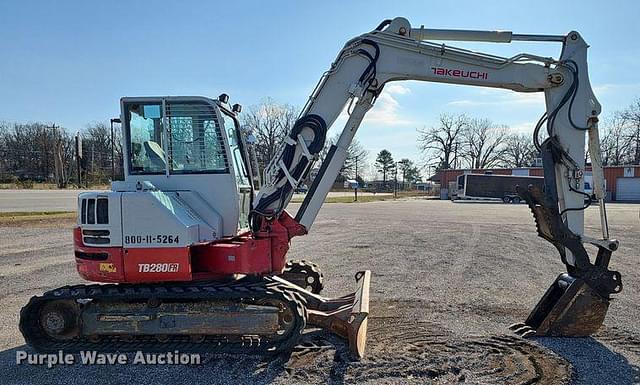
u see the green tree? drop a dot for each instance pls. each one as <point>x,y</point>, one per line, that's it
<point>385,165</point>
<point>410,173</point>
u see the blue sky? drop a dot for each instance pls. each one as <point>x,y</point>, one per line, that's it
<point>69,62</point>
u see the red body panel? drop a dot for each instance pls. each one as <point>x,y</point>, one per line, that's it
<point>91,265</point>
<point>239,256</point>
<point>263,252</point>
<point>157,264</point>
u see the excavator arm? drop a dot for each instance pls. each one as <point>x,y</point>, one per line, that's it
<point>577,302</point>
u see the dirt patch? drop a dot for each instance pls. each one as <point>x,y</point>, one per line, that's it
<point>422,353</point>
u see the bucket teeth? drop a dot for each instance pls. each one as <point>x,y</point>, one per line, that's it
<point>523,330</point>
<point>516,326</point>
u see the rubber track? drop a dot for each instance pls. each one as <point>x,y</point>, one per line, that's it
<point>310,269</point>
<point>242,292</point>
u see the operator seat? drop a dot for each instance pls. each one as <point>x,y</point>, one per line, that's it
<point>155,153</point>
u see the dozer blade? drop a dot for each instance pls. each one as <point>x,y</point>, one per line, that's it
<point>570,307</point>
<point>345,316</point>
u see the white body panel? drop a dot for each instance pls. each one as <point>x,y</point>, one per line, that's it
<point>202,193</point>
<point>114,219</point>
<point>154,219</point>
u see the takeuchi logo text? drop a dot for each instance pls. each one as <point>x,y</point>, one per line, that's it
<point>457,73</point>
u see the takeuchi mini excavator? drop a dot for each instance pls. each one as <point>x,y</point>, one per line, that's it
<point>189,257</point>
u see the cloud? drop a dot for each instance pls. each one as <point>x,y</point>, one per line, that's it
<point>501,98</point>
<point>492,97</point>
<point>608,88</point>
<point>522,128</point>
<point>396,88</point>
<point>386,110</point>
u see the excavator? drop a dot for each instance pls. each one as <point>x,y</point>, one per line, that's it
<point>186,255</point>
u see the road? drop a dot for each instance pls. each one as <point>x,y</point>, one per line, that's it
<point>65,200</point>
<point>38,200</point>
<point>448,278</point>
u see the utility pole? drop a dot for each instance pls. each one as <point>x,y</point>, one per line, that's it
<point>395,181</point>
<point>93,147</point>
<point>355,191</point>
<point>58,164</point>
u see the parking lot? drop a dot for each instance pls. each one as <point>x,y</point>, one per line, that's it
<point>448,279</point>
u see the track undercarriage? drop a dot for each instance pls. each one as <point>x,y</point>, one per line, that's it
<point>250,316</point>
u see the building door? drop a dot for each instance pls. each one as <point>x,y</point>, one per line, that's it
<point>628,189</point>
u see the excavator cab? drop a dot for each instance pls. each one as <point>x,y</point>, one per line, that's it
<point>190,143</point>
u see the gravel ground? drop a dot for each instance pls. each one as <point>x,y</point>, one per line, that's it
<point>448,278</point>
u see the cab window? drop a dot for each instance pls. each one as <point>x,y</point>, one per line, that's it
<point>195,139</point>
<point>146,155</point>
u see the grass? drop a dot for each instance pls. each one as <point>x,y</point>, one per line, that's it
<point>28,216</point>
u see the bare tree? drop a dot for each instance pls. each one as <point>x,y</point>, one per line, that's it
<point>46,152</point>
<point>269,123</point>
<point>519,150</point>
<point>483,143</point>
<point>29,150</point>
<point>96,150</point>
<point>355,152</point>
<point>440,143</point>
<point>614,140</point>
<point>631,116</point>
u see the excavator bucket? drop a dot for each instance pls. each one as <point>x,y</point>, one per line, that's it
<point>345,316</point>
<point>570,307</point>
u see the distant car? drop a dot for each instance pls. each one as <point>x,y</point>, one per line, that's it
<point>302,189</point>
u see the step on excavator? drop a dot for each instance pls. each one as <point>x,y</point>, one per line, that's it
<point>190,257</point>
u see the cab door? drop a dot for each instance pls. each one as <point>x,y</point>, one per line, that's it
<point>239,169</point>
